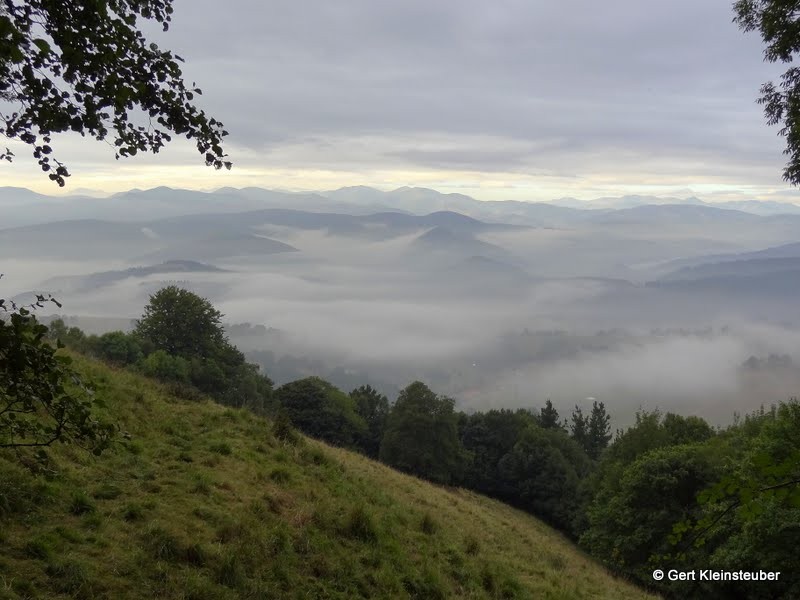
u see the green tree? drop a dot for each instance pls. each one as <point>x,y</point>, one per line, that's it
<point>777,22</point>
<point>633,515</point>
<point>486,439</point>
<point>598,430</point>
<point>754,507</point>
<point>162,365</point>
<point>542,473</point>
<point>373,407</point>
<point>579,427</point>
<point>85,67</point>
<point>421,435</point>
<point>119,347</point>
<point>548,416</point>
<point>42,399</point>
<point>321,410</point>
<point>181,323</point>
<point>686,430</point>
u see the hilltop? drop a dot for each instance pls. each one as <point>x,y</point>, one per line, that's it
<point>205,501</point>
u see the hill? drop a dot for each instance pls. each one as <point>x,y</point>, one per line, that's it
<point>735,268</point>
<point>205,502</point>
<point>791,250</point>
<point>96,280</point>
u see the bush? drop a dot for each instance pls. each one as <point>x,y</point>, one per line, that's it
<point>321,410</point>
<point>118,347</point>
<point>161,365</point>
<point>42,399</point>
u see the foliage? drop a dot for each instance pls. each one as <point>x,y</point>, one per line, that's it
<point>321,410</point>
<point>672,491</point>
<point>85,67</point>
<point>579,427</point>
<point>632,516</point>
<point>548,416</point>
<point>541,474</point>
<point>598,430</point>
<point>373,407</point>
<point>182,323</point>
<point>120,348</point>
<point>752,511</point>
<point>421,435</point>
<point>777,22</point>
<point>189,345</point>
<point>486,439</point>
<point>42,399</point>
<point>161,365</point>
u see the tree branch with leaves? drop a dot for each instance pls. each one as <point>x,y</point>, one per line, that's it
<point>85,67</point>
<point>43,400</point>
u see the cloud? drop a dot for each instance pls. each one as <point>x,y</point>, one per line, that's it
<point>595,97</point>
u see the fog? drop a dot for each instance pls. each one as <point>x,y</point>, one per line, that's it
<point>493,315</point>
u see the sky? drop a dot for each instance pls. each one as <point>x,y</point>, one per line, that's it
<point>509,99</point>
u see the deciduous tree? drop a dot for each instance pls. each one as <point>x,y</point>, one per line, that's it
<point>778,22</point>
<point>85,67</point>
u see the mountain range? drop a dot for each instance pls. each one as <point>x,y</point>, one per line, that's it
<point>21,207</point>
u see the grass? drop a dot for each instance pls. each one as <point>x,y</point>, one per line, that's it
<point>206,502</point>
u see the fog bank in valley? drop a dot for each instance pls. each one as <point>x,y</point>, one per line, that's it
<point>496,314</point>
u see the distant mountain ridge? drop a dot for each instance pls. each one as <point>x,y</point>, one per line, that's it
<point>22,207</point>
<point>101,279</point>
<point>791,250</point>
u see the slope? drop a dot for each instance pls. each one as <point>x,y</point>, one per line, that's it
<point>205,502</point>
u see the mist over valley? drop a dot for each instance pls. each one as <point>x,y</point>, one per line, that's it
<point>498,304</point>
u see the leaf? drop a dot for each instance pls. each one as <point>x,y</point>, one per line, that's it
<point>43,46</point>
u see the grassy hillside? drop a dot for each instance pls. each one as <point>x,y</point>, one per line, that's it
<point>205,502</point>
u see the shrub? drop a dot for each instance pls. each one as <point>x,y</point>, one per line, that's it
<point>161,365</point>
<point>43,400</point>
<point>118,347</point>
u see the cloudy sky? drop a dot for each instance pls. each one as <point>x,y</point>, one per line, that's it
<point>509,99</point>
